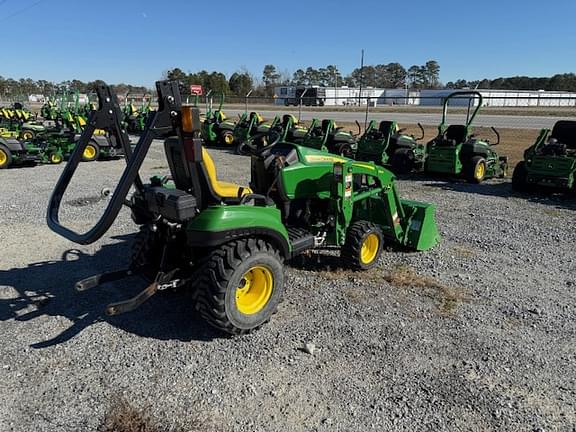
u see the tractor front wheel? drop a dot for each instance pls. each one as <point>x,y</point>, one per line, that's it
<point>240,286</point>
<point>5,157</point>
<point>519,177</point>
<point>91,152</point>
<point>475,171</point>
<point>363,246</point>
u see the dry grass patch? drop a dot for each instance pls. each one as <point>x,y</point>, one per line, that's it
<point>446,297</point>
<point>123,417</point>
<point>463,252</point>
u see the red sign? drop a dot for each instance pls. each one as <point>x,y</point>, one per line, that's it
<point>196,89</point>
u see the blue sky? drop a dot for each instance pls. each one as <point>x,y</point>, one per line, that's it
<point>135,41</point>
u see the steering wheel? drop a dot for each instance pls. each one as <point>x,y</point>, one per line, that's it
<point>254,150</point>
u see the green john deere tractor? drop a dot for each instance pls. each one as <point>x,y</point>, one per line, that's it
<point>457,152</point>
<point>326,136</point>
<point>549,164</point>
<point>226,243</point>
<point>216,129</point>
<point>386,145</point>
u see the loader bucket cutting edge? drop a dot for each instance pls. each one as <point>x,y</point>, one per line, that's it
<point>422,231</point>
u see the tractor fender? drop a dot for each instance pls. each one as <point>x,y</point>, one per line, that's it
<point>221,224</point>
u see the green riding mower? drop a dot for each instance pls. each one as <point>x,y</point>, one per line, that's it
<point>549,164</point>
<point>216,129</point>
<point>246,127</point>
<point>226,243</point>
<point>15,152</point>
<point>457,152</point>
<point>387,145</point>
<point>18,123</point>
<point>325,135</point>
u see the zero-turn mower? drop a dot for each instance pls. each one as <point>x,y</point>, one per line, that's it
<point>387,145</point>
<point>457,152</point>
<point>325,135</point>
<point>227,243</point>
<point>246,127</point>
<point>216,129</point>
<point>549,164</point>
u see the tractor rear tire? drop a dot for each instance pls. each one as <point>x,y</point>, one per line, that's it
<point>363,246</point>
<point>519,177</point>
<point>5,157</point>
<point>146,253</point>
<point>240,285</point>
<point>402,161</point>
<point>91,152</point>
<point>475,171</point>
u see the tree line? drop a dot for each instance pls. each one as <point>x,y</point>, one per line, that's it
<point>389,75</point>
<point>25,86</point>
<point>558,82</point>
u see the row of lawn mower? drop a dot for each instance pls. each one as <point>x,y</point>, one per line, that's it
<point>550,164</point>
<point>51,138</point>
<point>454,151</point>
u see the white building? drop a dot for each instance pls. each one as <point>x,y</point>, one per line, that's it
<point>342,96</point>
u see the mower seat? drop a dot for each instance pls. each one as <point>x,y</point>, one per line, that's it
<point>456,134</point>
<point>564,132</point>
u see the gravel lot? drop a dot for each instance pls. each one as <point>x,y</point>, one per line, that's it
<point>477,334</point>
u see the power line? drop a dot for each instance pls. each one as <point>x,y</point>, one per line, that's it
<point>21,11</point>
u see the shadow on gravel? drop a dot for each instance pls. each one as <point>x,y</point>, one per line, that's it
<point>504,190</point>
<point>47,288</point>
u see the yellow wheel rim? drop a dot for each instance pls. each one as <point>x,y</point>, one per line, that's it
<point>55,158</point>
<point>369,248</point>
<point>3,157</point>
<point>89,152</point>
<point>255,290</point>
<point>228,139</point>
<point>480,171</point>
<point>26,135</point>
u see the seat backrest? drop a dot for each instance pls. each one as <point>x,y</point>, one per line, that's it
<point>387,128</point>
<point>191,176</point>
<point>456,133</point>
<point>327,125</point>
<point>565,132</point>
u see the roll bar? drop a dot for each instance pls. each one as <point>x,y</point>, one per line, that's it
<point>109,116</point>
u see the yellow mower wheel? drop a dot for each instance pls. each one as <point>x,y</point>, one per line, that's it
<point>91,152</point>
<point>5,157</point>
<point>476,170</point>
<point>55,158</point>
<point>27,135</point>
<point>369,248</point>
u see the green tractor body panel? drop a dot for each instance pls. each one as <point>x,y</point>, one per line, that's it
<point>316,176</point>
<point>228,222</point>
<point>552,171</point>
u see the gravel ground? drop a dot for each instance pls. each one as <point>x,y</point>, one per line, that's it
<point>477,334</point>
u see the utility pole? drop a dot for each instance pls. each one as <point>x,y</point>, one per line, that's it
<point>361,78</point>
